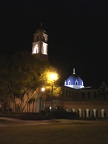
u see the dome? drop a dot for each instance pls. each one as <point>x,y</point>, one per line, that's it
<point>74,81</point>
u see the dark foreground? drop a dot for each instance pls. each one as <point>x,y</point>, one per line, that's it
<point>53,132</point>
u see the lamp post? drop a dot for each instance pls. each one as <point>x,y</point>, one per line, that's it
<point>38,101</point>
<point>41,105</point>
<point>52,77</point>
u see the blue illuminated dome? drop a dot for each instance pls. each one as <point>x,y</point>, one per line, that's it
<point>74,81</point>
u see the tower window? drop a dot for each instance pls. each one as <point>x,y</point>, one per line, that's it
<point>43,38</point>
<point>35,50</point>
<point>44,49</point>
<point>37,38</point>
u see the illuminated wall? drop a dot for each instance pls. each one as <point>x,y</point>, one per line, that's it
<point>40,45</point>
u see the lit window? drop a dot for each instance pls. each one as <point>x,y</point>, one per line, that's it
<point>44,49</point>
<point>35,50</point>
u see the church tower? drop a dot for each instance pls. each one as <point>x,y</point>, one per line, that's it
<point>39,45</point>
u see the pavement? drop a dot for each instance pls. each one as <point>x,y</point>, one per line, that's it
<point>9,122</point>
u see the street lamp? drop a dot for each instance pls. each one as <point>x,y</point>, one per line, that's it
<point>39,97</point>
<point>52,77</point>
<point>42,91</point>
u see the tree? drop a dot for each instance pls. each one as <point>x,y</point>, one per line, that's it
<point>3,78</point>
<point>21,78</point>
<point>48,83</point>
<point>103,91</point>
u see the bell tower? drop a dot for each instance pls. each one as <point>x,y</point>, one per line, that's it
<point>39,45</point>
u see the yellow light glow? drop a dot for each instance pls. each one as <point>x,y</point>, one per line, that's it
<point>53,76</point>
<point>42,89</point>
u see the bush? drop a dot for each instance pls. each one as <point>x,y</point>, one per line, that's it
<point>60,113</point>
<point>57,113</point>
<point>63,115</point>
<point>26,116</point>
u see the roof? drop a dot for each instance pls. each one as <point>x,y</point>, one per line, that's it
<point>41,29</point>
<point>74,81</point>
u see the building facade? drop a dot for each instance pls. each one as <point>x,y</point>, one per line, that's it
<point>85,101</point>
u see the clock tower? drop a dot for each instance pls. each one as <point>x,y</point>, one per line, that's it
<point>39,45</point>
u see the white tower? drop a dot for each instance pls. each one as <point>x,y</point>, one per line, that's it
<point>39,45</point>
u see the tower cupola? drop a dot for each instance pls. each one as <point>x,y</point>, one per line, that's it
<point>39,45</point>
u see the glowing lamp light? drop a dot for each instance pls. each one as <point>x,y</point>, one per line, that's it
<point>42,89</point>
<point>53,76</point>
<point>50,108</point>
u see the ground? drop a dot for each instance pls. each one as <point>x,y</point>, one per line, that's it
<point>13,131</point>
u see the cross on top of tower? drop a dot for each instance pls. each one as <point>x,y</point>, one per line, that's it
<point>73,70</point>
<point>41,24</point>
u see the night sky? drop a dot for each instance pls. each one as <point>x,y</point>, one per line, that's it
<point>77,32</point>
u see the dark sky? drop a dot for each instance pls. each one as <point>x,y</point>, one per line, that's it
<point>77,30</point>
